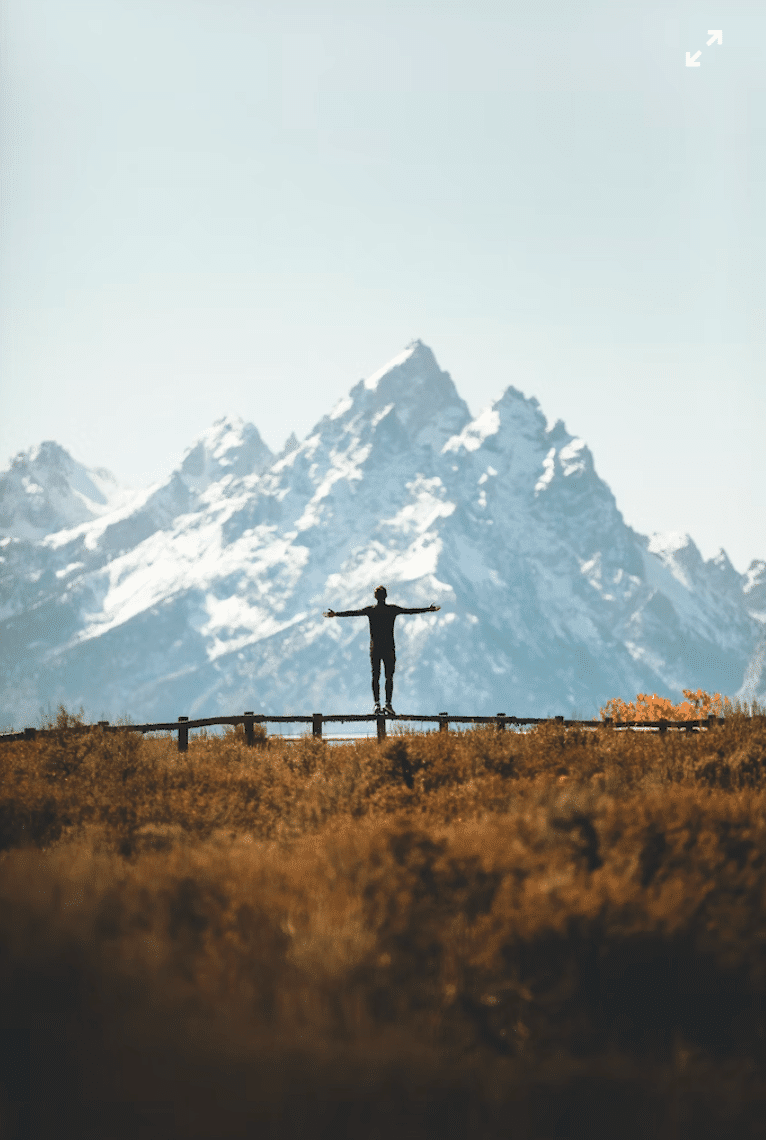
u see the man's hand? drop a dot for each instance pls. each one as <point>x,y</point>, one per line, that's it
<point>433,609</point>
<point>329,613</point>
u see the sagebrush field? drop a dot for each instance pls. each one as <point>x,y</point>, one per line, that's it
<point>543,935</point>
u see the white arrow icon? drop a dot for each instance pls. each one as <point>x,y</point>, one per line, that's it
<point>715,37</point>
<point>691,59</point>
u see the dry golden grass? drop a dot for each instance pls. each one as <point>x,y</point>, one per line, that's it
<point>552,934</point>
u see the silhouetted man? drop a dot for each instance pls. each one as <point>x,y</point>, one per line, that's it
<point>382,648</point>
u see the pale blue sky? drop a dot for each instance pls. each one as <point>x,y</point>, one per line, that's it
<point>221,206</point>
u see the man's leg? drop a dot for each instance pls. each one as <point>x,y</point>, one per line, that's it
<point>375,663</point>
<point>390,665</point>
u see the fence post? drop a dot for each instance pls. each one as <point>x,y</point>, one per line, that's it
<point>249,733</point>
<point>381,728</point>
<point>30,733</point>
<point>662,724</point>
<point>711,720</point>
<point>500,723</point>
<point>183,734</point>
<point>443,722</point>
<point>608,721</point>
<point>559,719</point>
<point>103,725</point>
<point>316,724</point>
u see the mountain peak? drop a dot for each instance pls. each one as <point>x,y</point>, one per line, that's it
<point>421,353</point>
<point>291,444</point>
<point>509,420</point>
<point>229,447</point>
<point>426,401</point>
<point>44,490</point>
<point>678,552</point>
<point>672,542</point>
<point>47,454</point>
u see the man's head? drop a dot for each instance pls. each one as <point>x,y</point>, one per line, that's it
<point>381,594</point>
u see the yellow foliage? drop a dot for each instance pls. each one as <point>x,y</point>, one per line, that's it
<point>649,707</point>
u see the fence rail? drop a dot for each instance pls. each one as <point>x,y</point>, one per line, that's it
<point>318,720</point>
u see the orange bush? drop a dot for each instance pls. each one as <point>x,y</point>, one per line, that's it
<point>649,707</point>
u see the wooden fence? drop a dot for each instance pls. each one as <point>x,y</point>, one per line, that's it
<point>319,720</point>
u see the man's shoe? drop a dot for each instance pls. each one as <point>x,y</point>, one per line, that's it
<point>377,710</point>
<point>390,709</point>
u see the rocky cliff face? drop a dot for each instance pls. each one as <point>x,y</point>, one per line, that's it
<point>204,595</point>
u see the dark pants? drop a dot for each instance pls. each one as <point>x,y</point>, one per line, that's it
<point>388,657</point>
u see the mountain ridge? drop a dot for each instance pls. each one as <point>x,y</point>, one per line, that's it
<point>205,592</point>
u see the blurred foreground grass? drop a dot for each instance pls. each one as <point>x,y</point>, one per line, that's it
<point>484,934</point>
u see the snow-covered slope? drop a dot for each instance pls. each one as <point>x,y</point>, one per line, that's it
<point>754,683</point>
<point>206,593</point>
<point>755,589</point>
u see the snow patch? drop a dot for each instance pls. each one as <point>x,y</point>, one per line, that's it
<point>344,405</point>
<point>372,382</point>
<point>473,435</point>
<point>426,506</point>
<point>549,470</point>
<point>69,569</point>
<point>572,459</point>
<point>381,415</point>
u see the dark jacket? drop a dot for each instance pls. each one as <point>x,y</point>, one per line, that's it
<point>382,620</point>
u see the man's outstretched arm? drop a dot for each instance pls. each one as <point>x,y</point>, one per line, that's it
<point>345,613</point>
<point>419,610</point>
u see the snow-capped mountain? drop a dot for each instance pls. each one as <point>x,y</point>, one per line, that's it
<point>230,449</point>
<point>44,490</point>
<point>205,594</point>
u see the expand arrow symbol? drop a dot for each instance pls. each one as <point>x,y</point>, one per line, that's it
<point>715,37</point>
<point>691,59</point>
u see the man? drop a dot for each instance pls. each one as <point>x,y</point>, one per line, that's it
<point>382,648</point>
